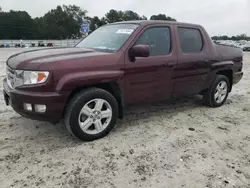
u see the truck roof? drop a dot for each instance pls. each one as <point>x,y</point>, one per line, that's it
<point>149,22</point>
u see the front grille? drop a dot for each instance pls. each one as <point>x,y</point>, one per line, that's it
<point>10,73</point>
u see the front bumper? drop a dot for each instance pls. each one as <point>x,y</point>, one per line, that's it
<point>54,102</point>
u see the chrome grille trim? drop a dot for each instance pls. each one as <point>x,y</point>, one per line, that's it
<point>10,74</point>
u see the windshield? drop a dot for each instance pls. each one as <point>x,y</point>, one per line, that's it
<point>108,38</point>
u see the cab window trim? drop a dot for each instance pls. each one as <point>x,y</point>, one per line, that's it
<point>202,39</point>
<point>152,27</point>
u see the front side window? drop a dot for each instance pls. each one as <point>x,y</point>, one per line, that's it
<point>108,38</point>
<point>190,40</point>
<point>158,39</point>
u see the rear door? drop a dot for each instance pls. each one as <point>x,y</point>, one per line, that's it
<point>150,79</point>
<point>193,61</point>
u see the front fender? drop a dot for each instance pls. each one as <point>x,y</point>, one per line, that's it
<point>81,79</point>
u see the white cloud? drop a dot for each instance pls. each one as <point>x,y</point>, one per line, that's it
<point>229,17</point>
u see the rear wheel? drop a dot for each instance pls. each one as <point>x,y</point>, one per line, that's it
<point>91,114</point>
<point>217,94</point>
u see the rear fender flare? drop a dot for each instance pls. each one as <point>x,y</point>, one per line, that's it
<point>217,67</point>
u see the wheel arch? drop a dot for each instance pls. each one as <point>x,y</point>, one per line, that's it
<point>111,87</point>
<point>229,74</point>
<point>224,68</point>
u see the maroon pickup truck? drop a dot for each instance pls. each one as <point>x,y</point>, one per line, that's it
<point>117,65</point>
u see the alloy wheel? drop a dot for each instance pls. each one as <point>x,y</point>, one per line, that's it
<point>95,116</point>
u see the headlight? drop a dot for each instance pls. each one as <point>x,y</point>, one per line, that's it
<point>30,77</point>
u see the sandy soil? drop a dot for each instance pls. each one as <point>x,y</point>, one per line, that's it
<point>175,144</point>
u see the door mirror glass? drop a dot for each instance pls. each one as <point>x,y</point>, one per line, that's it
<point>139,50</point>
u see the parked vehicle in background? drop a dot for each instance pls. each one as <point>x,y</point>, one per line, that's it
<point>246,47</point>
<point>50,44</point>
<point>41,44</point>
<point>118,65</point>
<point>17,45</point>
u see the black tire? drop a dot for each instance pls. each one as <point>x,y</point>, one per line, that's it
<point>75,105</point>
<point>209,94</point>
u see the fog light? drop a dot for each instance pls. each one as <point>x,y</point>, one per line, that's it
<point>27,106</point>
<point>40,108</point>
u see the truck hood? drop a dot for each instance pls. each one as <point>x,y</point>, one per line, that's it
<point>33,59</point>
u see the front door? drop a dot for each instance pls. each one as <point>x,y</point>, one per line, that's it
<point>150,79</point>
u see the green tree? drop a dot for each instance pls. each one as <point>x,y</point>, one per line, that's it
<point>161,17</point>
<point>38,28</point>
<point>62,22</point>
<point>143,18</point>
<point>118,16</point>
<point>215,38</point>
<point>130,15</point>
<point>95,22</point>
<point>225,37</point>
<point>242,37</point>
<point>114,16</point>
<point>58,23</point>
<point>236,38</point>
<point>16,25</point>
<point>76,12</point>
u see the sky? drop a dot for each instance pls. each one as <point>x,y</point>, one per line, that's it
<point>219,17</point>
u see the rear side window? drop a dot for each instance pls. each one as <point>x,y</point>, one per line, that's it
<point>191,40</point>
<point>158,39</point>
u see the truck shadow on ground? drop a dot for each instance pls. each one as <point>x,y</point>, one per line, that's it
<point>141,112</point>
<point>43,132</point>
<point>159,108</point>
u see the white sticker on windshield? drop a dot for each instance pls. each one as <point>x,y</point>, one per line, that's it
<point>125,31</point>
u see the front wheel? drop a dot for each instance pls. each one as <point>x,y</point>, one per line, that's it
<point>217,94</point>
<point>91,114</point>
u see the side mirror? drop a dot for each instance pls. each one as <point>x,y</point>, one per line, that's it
<point>139,51</point>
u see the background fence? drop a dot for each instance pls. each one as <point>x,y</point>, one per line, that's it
<point>13,43</point>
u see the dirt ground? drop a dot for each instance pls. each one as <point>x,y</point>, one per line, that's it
<point>176,144</point>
